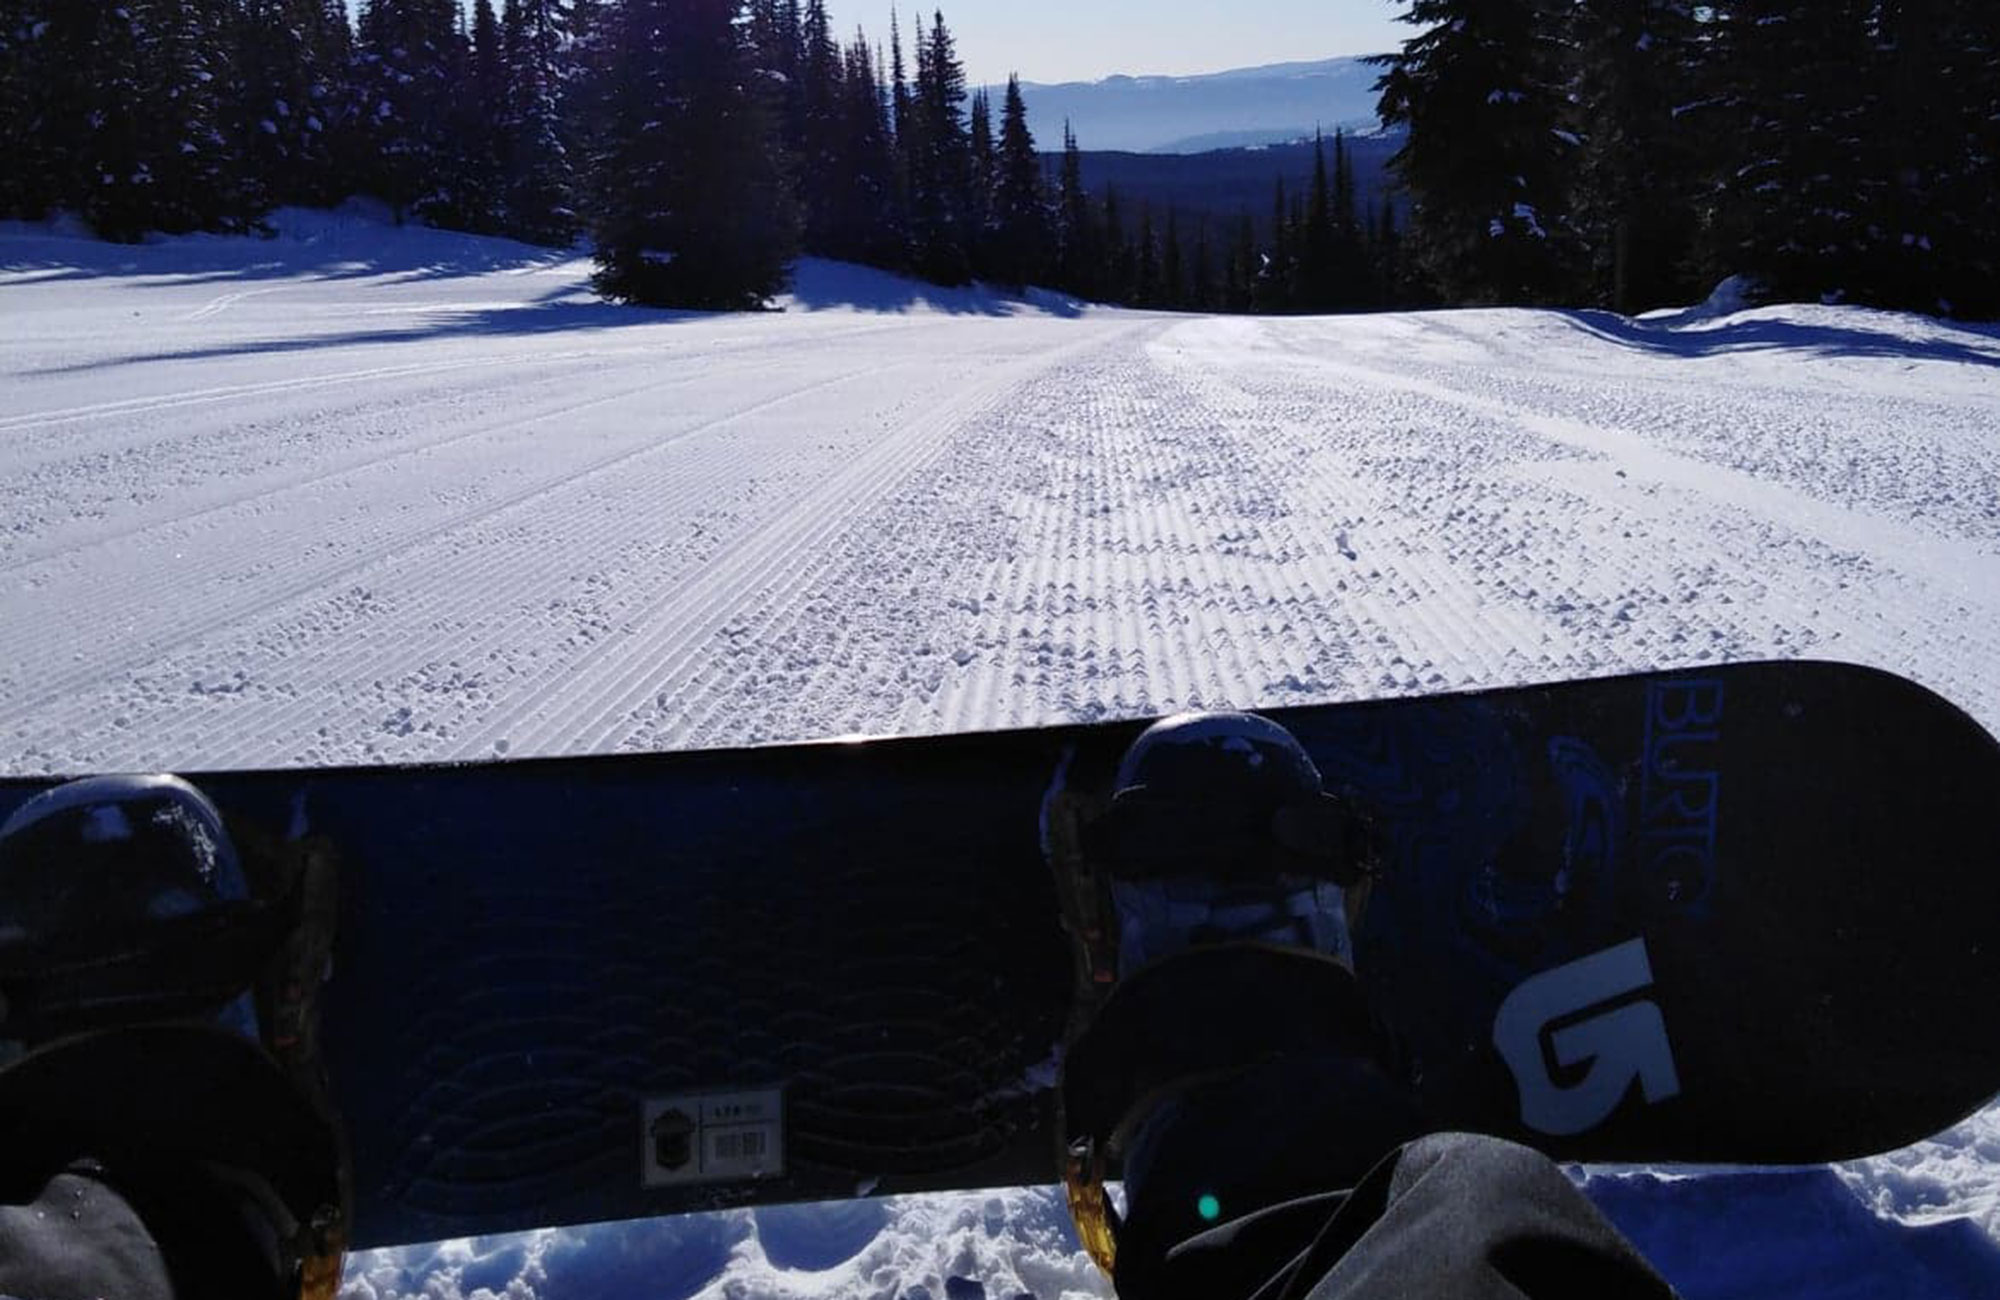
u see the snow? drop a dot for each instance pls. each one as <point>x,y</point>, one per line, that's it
<point>359,493</point>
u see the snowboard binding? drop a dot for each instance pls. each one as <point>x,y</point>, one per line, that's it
<point>1209,902</point>
<point>148,970</point>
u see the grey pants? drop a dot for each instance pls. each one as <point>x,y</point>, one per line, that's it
<point>1449,1215</point>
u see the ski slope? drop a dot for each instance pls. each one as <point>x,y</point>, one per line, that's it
<point>360,494</point>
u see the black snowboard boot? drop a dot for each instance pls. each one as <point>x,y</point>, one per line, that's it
<point>1223,1058</point>
<point>158,1050</point>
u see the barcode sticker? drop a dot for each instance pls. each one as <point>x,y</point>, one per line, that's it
<point>712,1137</point>
<point>745,1145</point>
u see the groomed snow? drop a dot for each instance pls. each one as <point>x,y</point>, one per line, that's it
<point>361,494</point>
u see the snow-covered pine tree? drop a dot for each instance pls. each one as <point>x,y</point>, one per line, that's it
<point>409,57</point>
<point>691,203</point>
<point>1794,182</point>
<point>584,64</point>
<point>820,158</point>
<point>1480,92</point>
<point>478,128</point>
<point>114,159</point>
<point>1637,113</point>
<point>146,147</point>
<point>1935,147</point>
<point>1967,197</point>
<point>541,181</point>
<point>199,168</point>
<point>31,182</point>
<point>772,47</point>
<point>1021,244</point>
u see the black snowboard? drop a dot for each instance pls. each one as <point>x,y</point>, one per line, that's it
<point>1743,914</point>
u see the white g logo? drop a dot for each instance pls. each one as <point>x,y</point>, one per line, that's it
<point>1622,1043</point>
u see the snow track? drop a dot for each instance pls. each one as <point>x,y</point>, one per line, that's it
<point>436,515</point>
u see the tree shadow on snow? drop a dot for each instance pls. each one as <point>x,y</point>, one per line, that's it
<point>1944,340</point>
<point>560,311</point>
<point>334,247</point>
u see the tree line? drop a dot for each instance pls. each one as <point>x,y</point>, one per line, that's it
<point>1630,153</point>
<point>700,145</point>
<point>181,115</point>
<point>1627,153</point>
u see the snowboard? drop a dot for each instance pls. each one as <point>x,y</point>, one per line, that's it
<point>1735,914</point>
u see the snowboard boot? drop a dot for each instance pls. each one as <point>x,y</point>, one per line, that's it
<point>158,1031</point>
<point>1221,1055</point>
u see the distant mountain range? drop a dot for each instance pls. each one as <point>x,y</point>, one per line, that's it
<point>1244,106</point>
<point>1221,184</point>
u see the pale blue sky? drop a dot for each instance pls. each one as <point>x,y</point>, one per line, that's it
<point>1082,40</point>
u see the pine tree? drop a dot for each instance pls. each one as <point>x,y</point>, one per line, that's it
<point>1173,276</point>
<point>489,63</point>
<point>1020,210</point>
<point>1931,152</point>
<point>1792,174</point>
<point>33,180</point>
<point>1480,91</point>
<point>692,206</point>
<point>201,168</point>
<point>1201,284</point>
<point>940,161</point>
<point>1119,273</point>
<point>1146,261</point>
<point>820,161</point>
<point>585,75</point>
<point>1272,293</point>
<point>1352,275</point>
<point>478,123</point>
<point>1079,270</point>
<point>410,56</point>
<point>113,172</point>
<point>1317,273</point>
<point>540,179</point>
<point>1241,269</point>
<point>146,147</point>
<point>291,99</point>
<point>773,43</point>
<point>979,199</point>
<point>1635,112</point>
<point>900,104</point>
<point>1387,254</point>
<point>1964,206</point>
<point>866,225</point>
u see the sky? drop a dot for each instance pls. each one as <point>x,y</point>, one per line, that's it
<point>1083,40</point>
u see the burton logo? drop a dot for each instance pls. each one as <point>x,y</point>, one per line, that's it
<point>1680,791</point>
<point>1577,1039</point>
